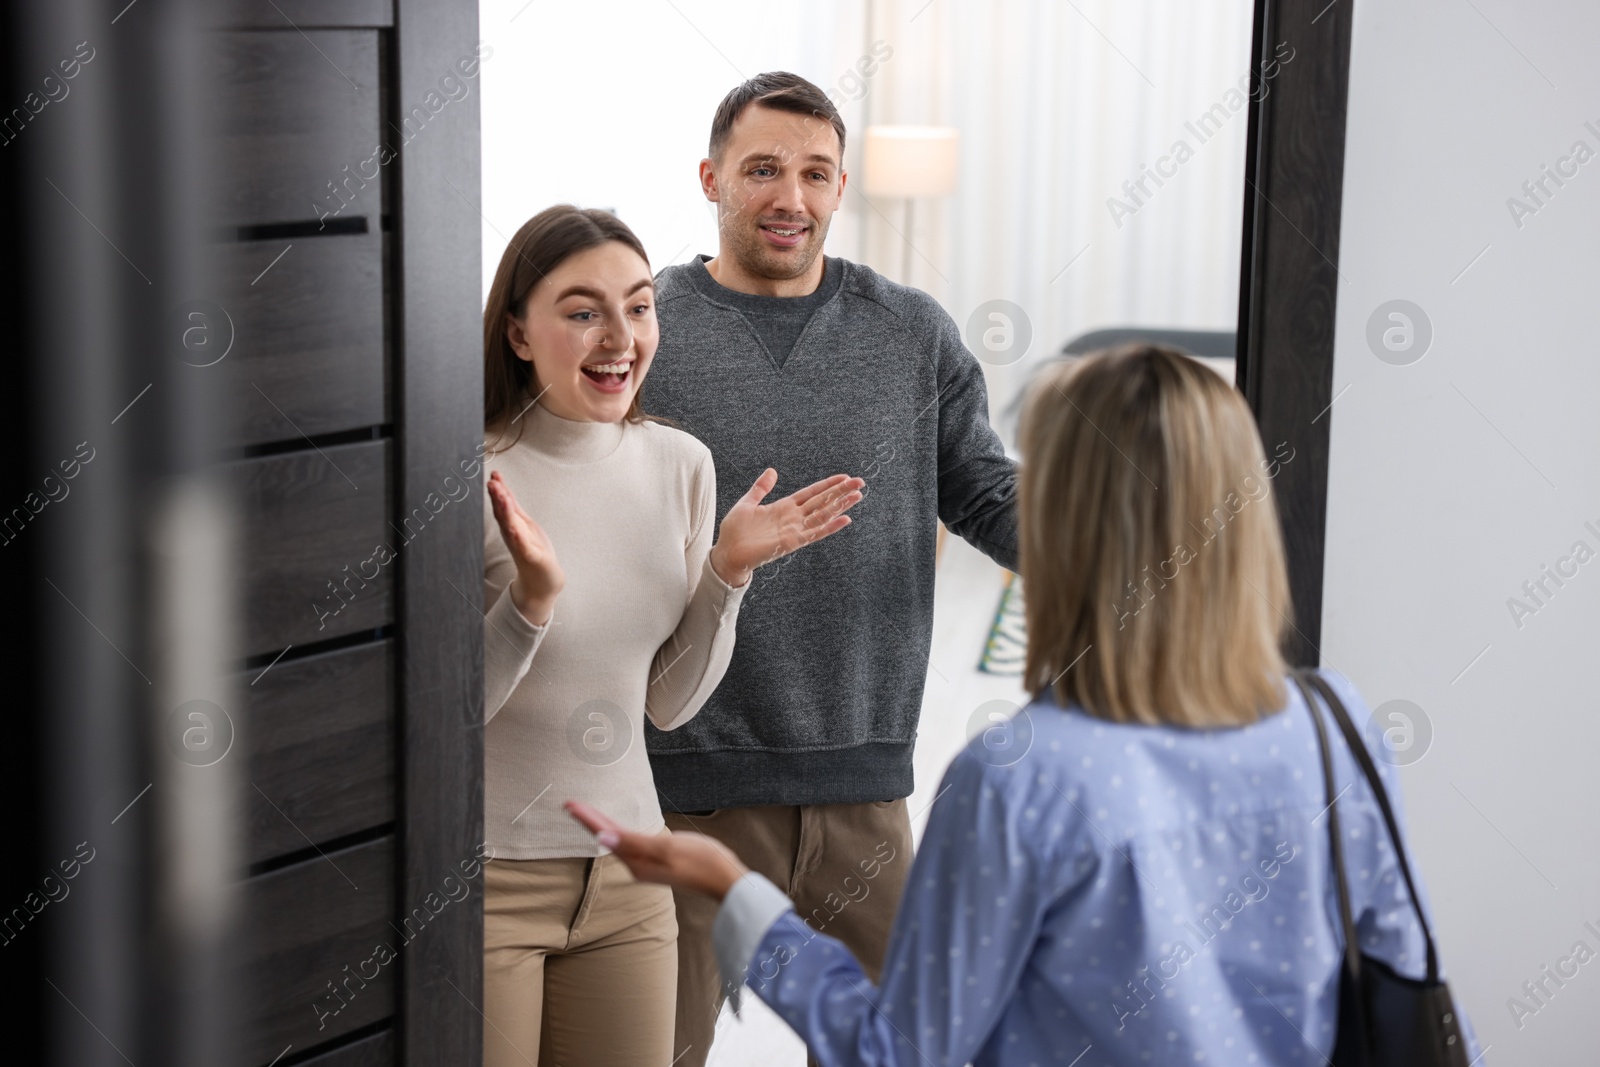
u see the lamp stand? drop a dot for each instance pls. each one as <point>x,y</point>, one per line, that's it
<point>905,253</point>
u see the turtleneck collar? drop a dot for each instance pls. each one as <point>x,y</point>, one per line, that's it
<point>566,441</point>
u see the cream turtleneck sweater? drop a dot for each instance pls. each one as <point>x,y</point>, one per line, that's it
<point>643,626</point>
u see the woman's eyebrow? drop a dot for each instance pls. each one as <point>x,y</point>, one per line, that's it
<point>580,290</point>
<point>595,294</point>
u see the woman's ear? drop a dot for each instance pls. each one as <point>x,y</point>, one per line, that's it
<point>517,337</point>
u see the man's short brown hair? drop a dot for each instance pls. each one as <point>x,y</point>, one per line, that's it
<point>779,90</point>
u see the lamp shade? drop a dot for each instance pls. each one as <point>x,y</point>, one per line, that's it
<point>911,160</point>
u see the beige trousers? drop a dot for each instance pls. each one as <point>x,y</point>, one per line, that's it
<point>843,865</point>
<point>579,965</point>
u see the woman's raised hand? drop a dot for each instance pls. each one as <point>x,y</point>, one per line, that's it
<point>753,533</point>
<point>683,860</point>
<point>539,577</point>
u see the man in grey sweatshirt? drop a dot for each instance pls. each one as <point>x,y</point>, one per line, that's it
<point>777,356</point>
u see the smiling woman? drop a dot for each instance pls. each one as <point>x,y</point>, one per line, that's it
<point>547,335</point>
<point>626,509</point>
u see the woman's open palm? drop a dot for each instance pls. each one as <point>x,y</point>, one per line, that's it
<point>539,575</point>
<point>753,533</point>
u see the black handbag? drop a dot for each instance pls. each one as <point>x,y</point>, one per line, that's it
<point>1385,1018</point>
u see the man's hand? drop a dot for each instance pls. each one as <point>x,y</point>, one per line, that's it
<point>685,861</point>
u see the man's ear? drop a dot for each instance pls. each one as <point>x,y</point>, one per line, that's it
<point>708,181</point>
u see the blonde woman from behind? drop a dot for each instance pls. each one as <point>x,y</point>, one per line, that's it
<point>1138,870</point>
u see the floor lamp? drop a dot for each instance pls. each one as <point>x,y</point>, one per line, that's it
<point>908,162</point>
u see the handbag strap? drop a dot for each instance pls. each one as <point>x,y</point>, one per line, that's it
<point>1363,759</point>
<point>1352,950</point>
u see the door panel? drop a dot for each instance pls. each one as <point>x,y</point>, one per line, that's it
<point>308,336</point>
<point>321,733</point>
<point>311,965</point>
<point>293,124</point>
<point>315,522</point>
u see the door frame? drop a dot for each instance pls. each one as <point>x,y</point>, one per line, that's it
<point>1289,275</point>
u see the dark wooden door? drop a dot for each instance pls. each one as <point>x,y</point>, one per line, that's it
<point>345,257</point>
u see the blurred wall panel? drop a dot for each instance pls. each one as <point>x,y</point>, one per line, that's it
<point>124,541</point>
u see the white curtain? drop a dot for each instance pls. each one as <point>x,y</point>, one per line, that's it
<point>1058,104</point>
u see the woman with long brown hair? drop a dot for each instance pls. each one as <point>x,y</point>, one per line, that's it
<point>613,605</point>
<point>1138,867</point>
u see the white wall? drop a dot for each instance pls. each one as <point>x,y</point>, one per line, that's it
<point>608,103</point>
<point>1455,478</point>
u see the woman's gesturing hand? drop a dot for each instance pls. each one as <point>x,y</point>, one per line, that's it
<point>687,861</point>
<point>539,577</point>
<point>753,533</point>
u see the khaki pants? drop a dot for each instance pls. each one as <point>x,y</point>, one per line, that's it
<point>579,965</point>
<point>843,865</point>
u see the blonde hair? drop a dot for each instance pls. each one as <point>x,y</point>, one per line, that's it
<point>1156,589</point>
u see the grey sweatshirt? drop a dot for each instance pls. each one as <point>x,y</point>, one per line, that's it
<point>820,701</point>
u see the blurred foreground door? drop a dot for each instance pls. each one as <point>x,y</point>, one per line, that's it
<point>243,272</point>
